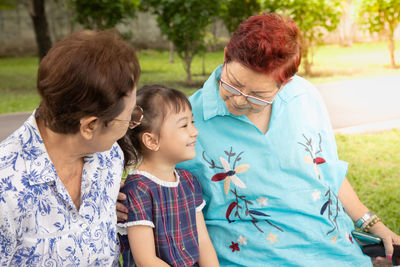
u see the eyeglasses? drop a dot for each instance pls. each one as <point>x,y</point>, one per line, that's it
<point>136,117</point>
<point>252,99</point>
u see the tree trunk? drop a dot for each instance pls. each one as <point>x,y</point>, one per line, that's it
<point>306,61</point>
<point>52,20</point>
<point>203,59</point>
<point>345,27</point>
<point>188,62</point>
<point>38,15</point>
<point>391,49</point>
<point>171,52</point>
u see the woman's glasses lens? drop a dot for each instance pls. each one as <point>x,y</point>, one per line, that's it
<point>229,88</point>
<point>251,99</point>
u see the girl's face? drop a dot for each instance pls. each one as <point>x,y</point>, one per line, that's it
<point>178,136</point>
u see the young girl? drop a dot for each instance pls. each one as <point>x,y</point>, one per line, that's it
<point>165,225</point>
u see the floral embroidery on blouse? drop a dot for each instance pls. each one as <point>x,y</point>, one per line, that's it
<point>239,203</point>
<point>39,223</point>
<point>331,205</point>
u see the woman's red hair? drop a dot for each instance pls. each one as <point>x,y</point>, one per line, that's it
<point>267,43</point>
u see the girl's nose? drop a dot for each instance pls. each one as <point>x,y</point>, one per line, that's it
<point>195,132</point>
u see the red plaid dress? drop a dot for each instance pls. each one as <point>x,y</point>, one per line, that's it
<point>170,208</point>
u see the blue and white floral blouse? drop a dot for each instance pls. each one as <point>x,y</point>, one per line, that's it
<point>39,223</point>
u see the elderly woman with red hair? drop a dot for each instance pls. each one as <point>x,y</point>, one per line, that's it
<point>275,189</point>
<point>267,160</point>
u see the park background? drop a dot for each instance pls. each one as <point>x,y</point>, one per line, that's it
<point>179,43</point>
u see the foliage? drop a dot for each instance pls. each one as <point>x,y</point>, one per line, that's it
<point>233,12</point>
<point>382,16</point>
<point>184,22</point>
<point>313,18</point>
<point>103,14</point>
<point>7,4</point>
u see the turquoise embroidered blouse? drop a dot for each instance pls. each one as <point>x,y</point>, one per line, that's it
<point>272,199</point>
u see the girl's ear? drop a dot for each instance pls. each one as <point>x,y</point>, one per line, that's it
<point>151,141</point>
<point>88,125</point>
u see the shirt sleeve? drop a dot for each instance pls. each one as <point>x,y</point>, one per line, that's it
<point>198,194</point>
<point>140,206</point>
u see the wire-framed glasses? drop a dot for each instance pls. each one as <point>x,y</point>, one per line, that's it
<point>252,99</point>
<point>136,117</point>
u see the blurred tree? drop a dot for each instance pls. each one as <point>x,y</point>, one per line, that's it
<point>313,18</point>
<point>38,14</point>
<point>103,14</point>
<point>346,25</point>
<point>382,16</point>
<point>233,12</point>
<point>7,4</point>
<point>184,22</point>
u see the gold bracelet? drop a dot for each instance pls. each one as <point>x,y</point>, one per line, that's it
<point>371,223</point>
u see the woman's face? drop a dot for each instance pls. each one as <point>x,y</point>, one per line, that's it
<point>250,83</point>
<point>117,128</point>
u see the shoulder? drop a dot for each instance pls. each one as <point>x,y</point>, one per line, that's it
<point>188,178</point>
<point>135,179</point>
<point>303,97</point>
<point>196,100</point>
<point>14,181</point>
<point>10,150</point>
<point>14,142</point>
<point>13,157</point>
<point>111,161</point>
<point>185,174</point>
<point>115,154</point>
<point>297,87</point>
<point>138,182</point>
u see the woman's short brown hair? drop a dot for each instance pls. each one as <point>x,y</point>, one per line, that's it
<point>86,74</point>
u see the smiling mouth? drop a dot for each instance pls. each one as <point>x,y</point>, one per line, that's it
<point>191,144</point>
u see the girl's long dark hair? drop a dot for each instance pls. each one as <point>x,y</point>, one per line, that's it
<point>156,101</point>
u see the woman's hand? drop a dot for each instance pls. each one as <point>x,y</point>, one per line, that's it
<point>389,238</point>
<point>355,209</point>
<point>121,210</point>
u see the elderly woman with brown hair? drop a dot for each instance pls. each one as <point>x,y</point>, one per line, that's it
<point>60,171</point>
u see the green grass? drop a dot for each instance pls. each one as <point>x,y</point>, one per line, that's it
<point>374,172</point>
<point>331,63</point>
<point>17,84</point>
<point>334,63</point>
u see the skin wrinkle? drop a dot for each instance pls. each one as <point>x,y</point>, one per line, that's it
<point>237,83</point>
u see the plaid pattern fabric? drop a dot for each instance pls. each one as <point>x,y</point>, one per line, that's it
<point>169,207</point>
